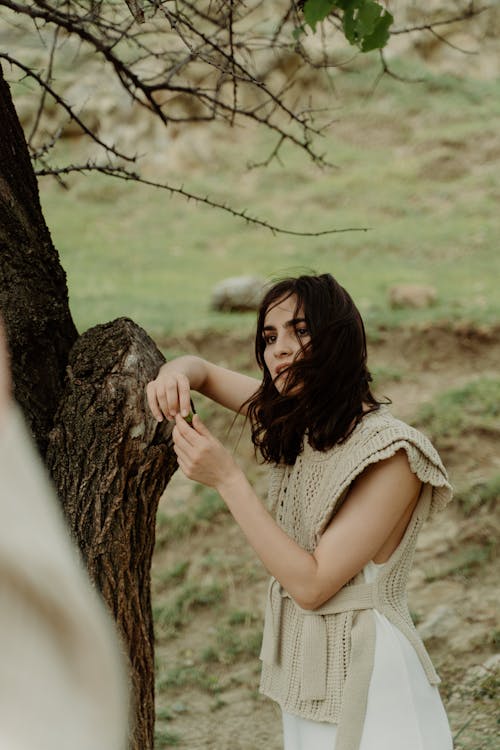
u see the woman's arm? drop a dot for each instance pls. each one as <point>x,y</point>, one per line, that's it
<point>376,511</point>
<point>169,393</point>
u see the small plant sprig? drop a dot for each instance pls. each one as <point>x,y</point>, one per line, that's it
<point>366,23</point>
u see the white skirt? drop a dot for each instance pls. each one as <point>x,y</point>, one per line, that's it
<point>403,709</point>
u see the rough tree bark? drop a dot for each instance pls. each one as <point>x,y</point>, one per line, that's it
<point>109,458</point>
<point>33,293</point>
<point>116,462</point>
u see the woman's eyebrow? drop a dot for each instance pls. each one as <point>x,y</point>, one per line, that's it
<point>288,324</point>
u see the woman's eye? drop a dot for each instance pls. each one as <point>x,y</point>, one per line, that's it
<point>301,332</point>
<point>270,339</point>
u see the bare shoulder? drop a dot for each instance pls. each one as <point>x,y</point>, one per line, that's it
<point>389,474</point>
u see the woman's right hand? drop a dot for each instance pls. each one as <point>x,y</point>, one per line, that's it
<point>170,393</point>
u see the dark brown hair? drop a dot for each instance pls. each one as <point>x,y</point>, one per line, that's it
<point>327,389</point>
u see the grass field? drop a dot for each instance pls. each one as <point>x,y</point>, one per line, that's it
<point>415,163</point>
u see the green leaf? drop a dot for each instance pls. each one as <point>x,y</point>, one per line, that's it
<point>349,24</point>
<point>367,17</point>
<point>380,35</point>
<point>366,23</point>
<point>317,10</point>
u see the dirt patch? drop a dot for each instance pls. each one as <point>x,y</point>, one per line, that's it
<point>208,671</point>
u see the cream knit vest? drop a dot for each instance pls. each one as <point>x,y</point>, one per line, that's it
<point>318,663</point>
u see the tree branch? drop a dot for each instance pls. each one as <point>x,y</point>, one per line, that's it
<point>186,62</point>
<point>124,174</point>
<point>65,106</point>
<point>469,13</point>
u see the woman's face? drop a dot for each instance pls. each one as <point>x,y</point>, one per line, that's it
<point>285,334</point>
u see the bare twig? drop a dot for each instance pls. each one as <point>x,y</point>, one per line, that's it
<point>41,103</point>
<point>272,156</point>
<point>467,14</point>
<point>124,174</point>
<point>386,70</point>
<point>446,41</point>
<point>66,107</point>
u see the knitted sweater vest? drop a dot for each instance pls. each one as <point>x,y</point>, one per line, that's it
<point>317,663</point>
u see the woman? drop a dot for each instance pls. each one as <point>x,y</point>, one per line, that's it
<point>350,488</point>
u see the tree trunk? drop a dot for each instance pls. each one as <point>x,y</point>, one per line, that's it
<point>110,459</point>
<point>33,292</point>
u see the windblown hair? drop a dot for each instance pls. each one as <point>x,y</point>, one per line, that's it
<point>327,389</point>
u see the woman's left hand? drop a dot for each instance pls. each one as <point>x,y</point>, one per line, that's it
<point>200,455</point>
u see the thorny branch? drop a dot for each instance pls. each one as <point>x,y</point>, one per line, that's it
<point>124,174</point>
<point>46,87</point>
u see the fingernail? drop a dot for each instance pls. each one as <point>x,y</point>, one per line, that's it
<point>185,413</point>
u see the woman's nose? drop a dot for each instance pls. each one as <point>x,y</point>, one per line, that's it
<point>283,346</point>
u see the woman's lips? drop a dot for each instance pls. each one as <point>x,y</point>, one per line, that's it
<point>282,369</point>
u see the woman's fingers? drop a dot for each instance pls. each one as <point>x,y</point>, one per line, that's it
<point>200,455</point>
<point>153,401</point>
<point>194,449</point>
<point>168,395</point>
<point>200,427</point>
<point>183,433</point>
<point>183,395</point>
<point>185,449</point>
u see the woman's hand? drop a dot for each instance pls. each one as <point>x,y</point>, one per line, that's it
<point>201,456</point>
<point>170,393</point>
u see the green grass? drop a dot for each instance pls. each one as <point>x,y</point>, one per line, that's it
<point>478,728</point>
<point>240,617</point>
<point>237,638</point>
<point>176,574</point>
<point>476,406</point>
<point>488,687</point>
<point>495,639</point>
<point>181,677</point>
<point>166,738</point>
<point>486,493</point>
<point>172,614</point>
<point>415,163</point>
<point>466,563</point>
<point>386,374</point>
<point>231,648</point>
<point>175,526</point>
